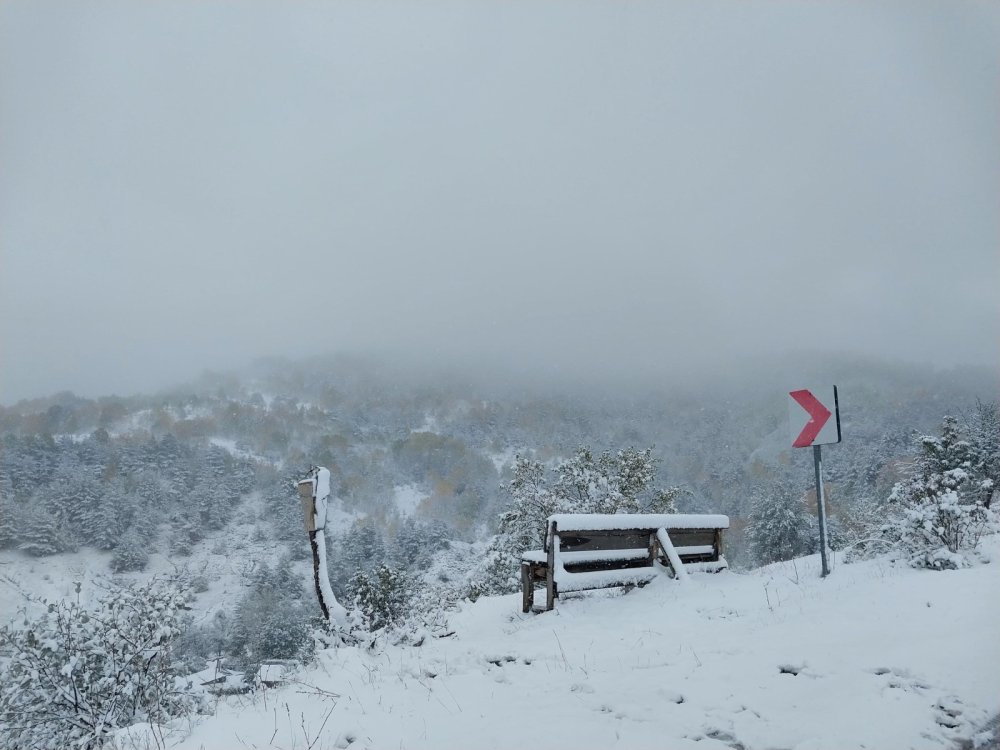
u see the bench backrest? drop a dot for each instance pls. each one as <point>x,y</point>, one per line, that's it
<point>574,536</point>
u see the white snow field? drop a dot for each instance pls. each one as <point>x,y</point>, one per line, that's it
<point>876,656</point>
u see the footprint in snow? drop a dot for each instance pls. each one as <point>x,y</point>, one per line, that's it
<point>791,668</point>
<point>671,696</point>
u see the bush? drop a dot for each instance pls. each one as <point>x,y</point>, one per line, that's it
<point>130,555</point>
<point>75,675</point>
<point>381,598</point>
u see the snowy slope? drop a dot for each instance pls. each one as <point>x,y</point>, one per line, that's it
<point>876,656</point>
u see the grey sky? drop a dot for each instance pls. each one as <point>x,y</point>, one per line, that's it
<point>619,185</point>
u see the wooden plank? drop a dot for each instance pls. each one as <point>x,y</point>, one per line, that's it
<point>675,562</point>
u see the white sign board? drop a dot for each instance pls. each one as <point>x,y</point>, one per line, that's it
<point>814,416</point>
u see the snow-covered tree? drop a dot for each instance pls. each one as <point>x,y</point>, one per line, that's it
<point>75,675</point>
<point>361,548</point>
<point>984,445</point>
<point>941,511</point>
<point>521,527</point>
<point>41,530</point>
<point>610,483</point>
<point>272,620</point>
<point>382,597</point>
<point>779,524</point>
<point>132,552</point>
<point>8,530</point>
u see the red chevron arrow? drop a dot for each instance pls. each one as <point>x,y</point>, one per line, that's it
<point>818,414</point>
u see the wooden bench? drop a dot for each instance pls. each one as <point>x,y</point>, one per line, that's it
<point>591,551</point>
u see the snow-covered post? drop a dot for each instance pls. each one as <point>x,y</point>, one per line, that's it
<point>314,492</point>
<point>821,508</point>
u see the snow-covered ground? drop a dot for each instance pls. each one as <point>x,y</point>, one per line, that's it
<point>875,656</point>
<point>234,450</point>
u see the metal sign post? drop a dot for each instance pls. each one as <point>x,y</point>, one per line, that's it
<point>817,431</point>
<point>821,507</point>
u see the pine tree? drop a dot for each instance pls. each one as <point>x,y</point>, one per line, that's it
<point>941,511</point>
<point>272,620</point>
<point>8,529</point>
<point>984,444</point>
<point>521,527</point>
<point>779,524</point>
<point>131,553</point>
<point>41,531</point>
<point>104,524</point>
<point>381,598</point>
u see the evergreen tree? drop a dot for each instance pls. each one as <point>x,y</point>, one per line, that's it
<point>8,530</point>
<point>416,543</point>
<point>779,524</point>
<point>131,553</point>
<point>41,531</point>
<point>941,511</point>
<point>272,620</point>
<point>984,444</point>
<point>521,527</point>
<point>381,598</point>
<point>359,549</point>
<point>104,524</point>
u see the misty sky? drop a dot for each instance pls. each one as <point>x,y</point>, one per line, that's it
<point>587,186</point>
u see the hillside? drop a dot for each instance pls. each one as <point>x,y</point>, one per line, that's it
<point>875,656</point>
<point>198,480</point>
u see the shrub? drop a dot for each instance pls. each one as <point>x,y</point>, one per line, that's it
<point>76,675</point>
<point>381,598</point>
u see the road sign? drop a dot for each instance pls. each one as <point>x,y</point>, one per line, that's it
<point>814,416</point>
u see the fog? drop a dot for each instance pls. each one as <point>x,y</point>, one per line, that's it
<point>606,188</point>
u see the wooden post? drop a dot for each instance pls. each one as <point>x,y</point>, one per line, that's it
<point>553,558</point>
<point>527,587</point>
<point>316,573</point>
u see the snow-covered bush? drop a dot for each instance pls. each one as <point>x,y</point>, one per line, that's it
<point>132,553</point>
<point>941,510</point>
<point>381,598</point>
<point>75,675</point>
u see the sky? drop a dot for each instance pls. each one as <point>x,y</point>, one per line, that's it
<point>599,187</point>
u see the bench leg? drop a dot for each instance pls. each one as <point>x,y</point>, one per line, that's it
<point>550,590</point>
<point>527,588</point>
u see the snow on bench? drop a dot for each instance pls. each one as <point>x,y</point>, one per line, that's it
<point>617,521</point>
<point>589,550</point>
